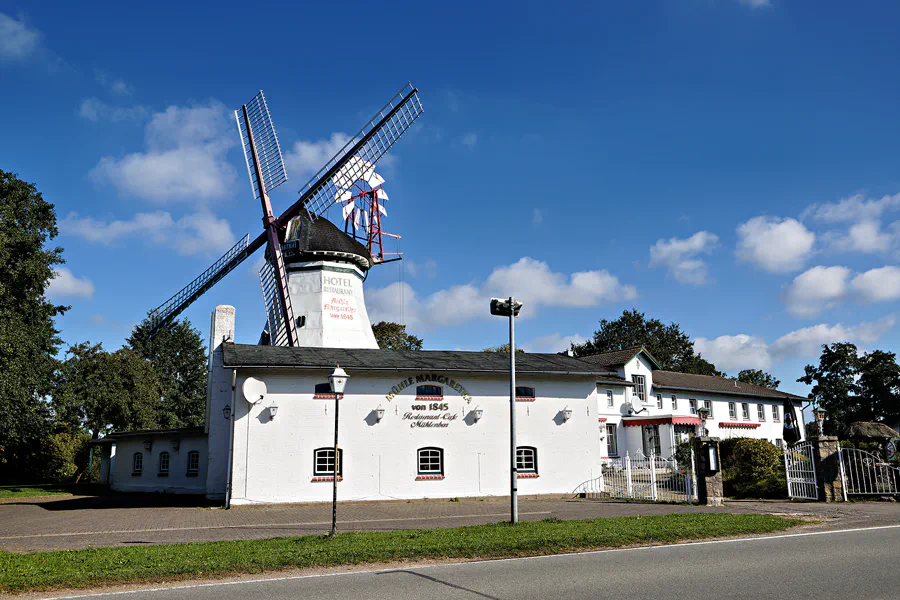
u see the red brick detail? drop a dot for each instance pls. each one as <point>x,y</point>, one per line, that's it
<point>601,419</point>
<point>329,478</point>
<point>522,399</point>
<point>324,396</point>
<point>527,475</point>
<point>738,424</point>
<point>661,421</point>
<point>428,477</point>
<point>429,397</point>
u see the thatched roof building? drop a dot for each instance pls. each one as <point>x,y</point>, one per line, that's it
<point>868,430</point>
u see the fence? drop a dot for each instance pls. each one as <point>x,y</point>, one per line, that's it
<point>800,465</point>
<point>864,473</point>
<point>642,478</point>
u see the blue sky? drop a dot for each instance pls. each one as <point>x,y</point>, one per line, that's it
<point>729,165</point>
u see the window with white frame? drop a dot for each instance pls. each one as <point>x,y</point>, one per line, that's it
<point>639,390</point>
<point>526,459</point>
<point>693,405</point>
<point>674,402</point>
<point>708,405</point>
<point>745,411</point>
<point>612,441</point>
<point>732,411</point>
<point>431,461</point>
<point>659,402</point>
<point>163,463</point>
<point>775,414</point>
<point>609,398</point>
<point>137,463</point>
<point>779,443</point>
<point>323,462</point>
<point>193,463</point>
<point>761,411</point>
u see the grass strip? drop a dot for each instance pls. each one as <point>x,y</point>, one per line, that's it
<point>29,490</point>
<point>130,564</point>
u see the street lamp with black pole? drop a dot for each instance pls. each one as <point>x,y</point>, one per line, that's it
<point>510,308</point>
<point>338,381</point>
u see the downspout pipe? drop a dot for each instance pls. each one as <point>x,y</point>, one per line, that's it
<point>231,440</point>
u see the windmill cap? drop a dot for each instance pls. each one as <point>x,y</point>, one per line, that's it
<point>318,238</point>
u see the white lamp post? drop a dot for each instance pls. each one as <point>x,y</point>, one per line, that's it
<point>819,414</point>
<point>510,308</point>
<point>338,381</point>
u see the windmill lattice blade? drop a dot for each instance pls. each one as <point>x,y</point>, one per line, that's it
<point>271,162</point>
<point>278,332</point>
<point>375,180</point>
<point>359,155</point>
<point>172,307</point>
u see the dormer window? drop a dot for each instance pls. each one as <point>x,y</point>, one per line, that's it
<point>525,394</point>
<point>323,391</point>
<point>429,392</point>
<point>639,390</point>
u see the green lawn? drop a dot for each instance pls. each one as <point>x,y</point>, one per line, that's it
<point>81,568</point>
<point>33,489</point>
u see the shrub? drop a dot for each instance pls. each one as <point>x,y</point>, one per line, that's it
<point>752,468</point>
<point>64,455</point>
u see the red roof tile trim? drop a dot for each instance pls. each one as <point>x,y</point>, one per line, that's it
<point>428,477</point>
<point>661,421</point>
<point>527,475</point>
<point>738,424</point>
<point>429,397</point>
<point>329,478</point>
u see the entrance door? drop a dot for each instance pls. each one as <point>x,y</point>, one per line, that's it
<point>651,442</point>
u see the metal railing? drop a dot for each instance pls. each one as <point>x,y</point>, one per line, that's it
<point>866,473</point>
<point>800,466</point>
<point>641,478</point>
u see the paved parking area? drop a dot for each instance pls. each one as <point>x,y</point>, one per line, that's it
<point>81,522</point>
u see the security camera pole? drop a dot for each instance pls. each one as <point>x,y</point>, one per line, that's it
<point>510,308</point>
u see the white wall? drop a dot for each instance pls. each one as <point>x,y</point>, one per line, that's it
<point>273,458</point>
<point>218,395</point>
<point>177,481</point>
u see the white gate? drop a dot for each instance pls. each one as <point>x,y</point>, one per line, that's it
<point>865,473</point>
<point>641,478</point>
<point>800,464</point>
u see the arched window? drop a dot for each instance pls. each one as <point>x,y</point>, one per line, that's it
<point>525,394</point>
<point>193,463</point>
<point>526,459</point>
<point>428,392</point>
<point>137,463</point>
<point>163,464</point>
<point>323,462</point>
<point>323,390</point>
<point>430,461</point>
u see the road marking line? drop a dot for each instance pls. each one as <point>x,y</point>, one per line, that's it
<point>472,562</point>
<point>261,525</point>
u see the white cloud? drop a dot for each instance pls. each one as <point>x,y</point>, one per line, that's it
<point>198,233</point>
<point>537,216</point>
<point>807,342</point>
<point>852,209</point>
<point>530,281</point>
<point>470,139</point>
<point>115,85</point>
<point>94,109</point>
<point>865,236</point>
<point>66,285</point>
<point>306,158</point>
<point>420,269</point>
<point>184,161</point>
<point>774,245</point>
<point>680,256</point>
<point>877,285</point>
<point>735,352</point>
<point>552,343</point>
<point>742,351</point>
<point>18,40</point>
<point>817,289</point>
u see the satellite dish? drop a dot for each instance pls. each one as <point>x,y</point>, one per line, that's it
<point>254,389</point>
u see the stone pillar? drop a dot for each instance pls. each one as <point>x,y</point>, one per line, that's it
<point>828,468</point>
<point>218,394</point>
<point>709,483</point>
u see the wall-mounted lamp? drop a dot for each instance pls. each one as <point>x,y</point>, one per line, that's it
<point>148,444</point>
<point>176,444</point>
<point>477,413</point>
<point>226,412</point>
<point>566,413</point>
<point>273,410</point>
<point>379,414</point>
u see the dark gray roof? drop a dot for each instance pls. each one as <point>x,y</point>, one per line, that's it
<point>670,380</point>
<point>186,431</point>
<point>247,355</point>
<point>613,380</point>
<point>307,238</point>
<point>617,357</point>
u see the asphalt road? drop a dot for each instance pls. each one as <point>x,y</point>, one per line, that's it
<point>854,564</point>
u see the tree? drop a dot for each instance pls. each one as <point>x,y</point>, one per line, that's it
<point>758,377</point>
<point>100,392</point>
<point>879,387</point>
<point>178,356</point>
<point>669,345</point>
<point>835,388</point>
<point>393,336</point>
<point>501,348</point>
<point>29,340</point>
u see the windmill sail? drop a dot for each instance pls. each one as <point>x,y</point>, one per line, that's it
<point>172,307</point>
<point>268,150</point>
<point>279,334</point>
<point>357,158</point>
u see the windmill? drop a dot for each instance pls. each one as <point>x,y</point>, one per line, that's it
<point>352,164</point>
<point>363,208</point>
